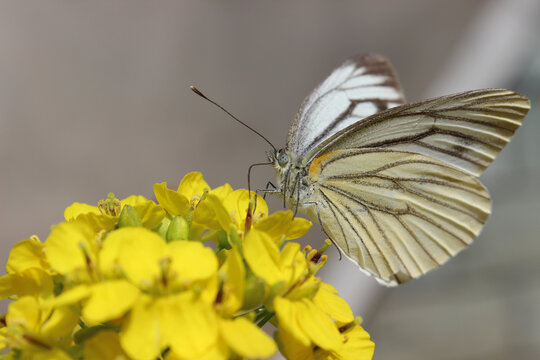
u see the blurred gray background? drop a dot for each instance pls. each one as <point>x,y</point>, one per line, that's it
<point>94,98</point>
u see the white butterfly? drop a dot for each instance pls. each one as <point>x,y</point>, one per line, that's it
<point>394,186</point>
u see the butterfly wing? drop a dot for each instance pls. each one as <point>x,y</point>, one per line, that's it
<point>361,87</point>
<point>398,192</point>
<point>396,214</point>
<point>466,130</point>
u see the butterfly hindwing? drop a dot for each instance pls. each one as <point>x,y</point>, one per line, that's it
<point>361,87</point>
<point>397,214</point>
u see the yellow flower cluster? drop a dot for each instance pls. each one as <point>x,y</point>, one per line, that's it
<point>132,279</point>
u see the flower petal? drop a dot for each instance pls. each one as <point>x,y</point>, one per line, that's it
<point>222,191</point>
<point>76,209</point>
<point>237,204</point>
<point>105,345</point>
<point>141,337</point>
<point>234,274</point>
<point>173,202</point>
<point>191,261</point>
<point>192,184</point>
<point>110,300</point>
<point>287,314</point>
<point>69,245</point>
<point>188,325</point>
<point>292,349</point>
<point>298,228</point>
<point>212,213</point>
<point>27,254</point>
<point>318,326</point>
<point>32,281</point>
<point>276,224</point>
<point>262,255</point>
<point>308,324</point>
<point>138,251</point>
<point>327,300</point>
<point>246,339</point>
<point>358,345</point>
<point>151,214</point>
<point>26,312</point>
<point>60,323</point>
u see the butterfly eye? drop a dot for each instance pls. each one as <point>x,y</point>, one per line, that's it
<point>282,159</point>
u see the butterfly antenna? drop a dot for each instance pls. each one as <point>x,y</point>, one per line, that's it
<point>198,92</point>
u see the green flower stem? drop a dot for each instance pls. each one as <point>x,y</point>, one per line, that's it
<point>265,319</point>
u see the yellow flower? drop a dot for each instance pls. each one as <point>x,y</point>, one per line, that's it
<point>355,345</point>
<point>246,339</point>
<point>174,306</point>
<point>305,307</point>
<point>237,336</point>
<point>307,323</point>
<point>189,201</point>
<point>154,265</point>
<point>28,272</point>
<point>232,212</point>
<point>265,260</point>
<point>72,250</point>
<point>187,195</point>
<point>181,321</point>
<point>105,216</point>
<point>37,331</point>
<point>122,280</point>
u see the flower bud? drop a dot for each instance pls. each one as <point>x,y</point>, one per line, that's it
<point>162,228</point>
<point>178,229</point>
<point>254,291</point>
<point>129,217</point>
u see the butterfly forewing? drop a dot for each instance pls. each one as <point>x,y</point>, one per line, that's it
<point>466,130</point>
<point>359,88</point>
<point>397,214</point>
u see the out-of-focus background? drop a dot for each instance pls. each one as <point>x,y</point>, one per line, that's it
<point>94,98</point>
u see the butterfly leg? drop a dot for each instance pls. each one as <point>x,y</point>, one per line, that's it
<point>265,191</point>
<point>297,196</point>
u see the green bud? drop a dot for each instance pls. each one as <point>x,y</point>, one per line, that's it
<point>129,217</point>
<point>253,292</point>
<point>162,228</point>
<point>234,239</point>
<point>178,229</point>
<point>223,241</point>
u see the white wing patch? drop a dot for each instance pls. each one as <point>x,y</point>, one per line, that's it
<point>359,88</point>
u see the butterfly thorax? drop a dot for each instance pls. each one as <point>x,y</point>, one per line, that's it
<point>291,177</point>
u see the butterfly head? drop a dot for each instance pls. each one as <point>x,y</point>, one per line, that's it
<point>280,159</point>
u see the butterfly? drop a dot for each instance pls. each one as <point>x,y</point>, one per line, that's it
<point>395,186</point>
